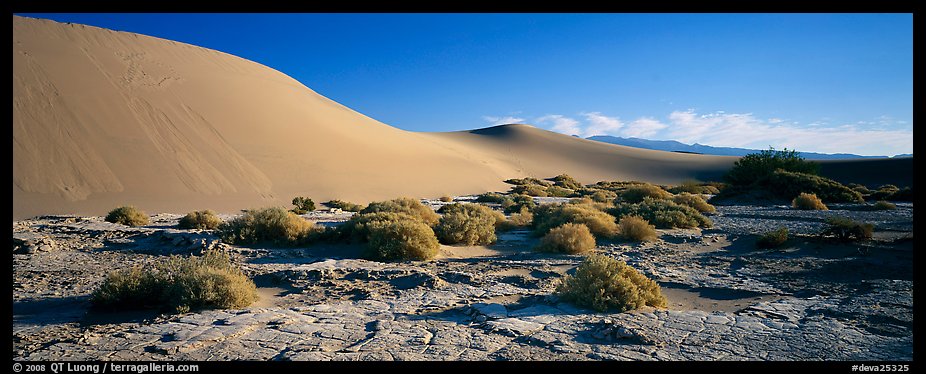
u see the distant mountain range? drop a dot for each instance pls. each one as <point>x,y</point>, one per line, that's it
<point>674,146</point>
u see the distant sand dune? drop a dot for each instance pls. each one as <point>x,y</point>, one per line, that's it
<point>103,118</point>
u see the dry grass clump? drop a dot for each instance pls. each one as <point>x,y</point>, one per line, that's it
<point>697,188</point>
<point>404,205</point>
<point>605,284</point>
<point>603,196</point>
<point>517,203</point>
<point>565,181</point>
<point>467,224</point>
<point>491,197</point>
<point>773,239</point>
<point>884,205</point>
<point>845,229</point>
<point>694,201</point>
<point>548,216</point>
<point>530,190</point>
<point>568,238</point>
<point>200,219</point>
<point>178,284</point>
<point>402,240</point>
<point>446,199</point>
<point>268,225</point>
<point>808,201</point>
<point>127,215</point>
<point>557,191</point>
<point>636,229</point>
<point>636,193</point>
<point>664,214</point>
<point>344,205</point>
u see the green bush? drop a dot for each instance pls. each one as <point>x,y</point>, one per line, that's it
<point>636,229</point>
<point>694,201</point>
<point>808,201</point>
<point>467,223</point>
<point>789,185</point>
<point>565,181</point>
<point>752,167</point>
<point>557,191</point>
<point>303,205</point>
<point>603,283</point>
<point>548,216</point>
<point>492,197</point>
<point>344,205</point>
<point>518,203</point>
<point>773,239</point>
<point>200,219</point>
<point>695,187</point>
<point>845,229</point>
<point>636,193</point>
<point>179,284</point>
<point>127,215</point>
<point>664,214</point>
<point>530,190</point>
<point>401,241</point>
<point>268,225</point>
<point>404,205</point>
<point>568,238</point>
<point>883,205</point>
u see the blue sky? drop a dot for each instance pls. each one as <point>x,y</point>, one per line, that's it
<point>815,82</point>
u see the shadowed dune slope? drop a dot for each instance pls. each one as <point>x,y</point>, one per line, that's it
<point>104,118</point>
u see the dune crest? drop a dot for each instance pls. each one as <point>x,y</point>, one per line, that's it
<point>103,118</point>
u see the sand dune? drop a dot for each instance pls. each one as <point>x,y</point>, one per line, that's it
<point>103,118</point>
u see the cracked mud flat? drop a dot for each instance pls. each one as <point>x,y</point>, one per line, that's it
<point>811,300</point>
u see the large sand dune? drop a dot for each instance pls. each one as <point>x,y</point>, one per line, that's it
<point>103,118</point>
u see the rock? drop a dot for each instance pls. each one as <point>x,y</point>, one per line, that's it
<point>28,243</point>
<point>491,311</point>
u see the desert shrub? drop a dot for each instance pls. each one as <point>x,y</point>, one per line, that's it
<point>127,215</point>
<point>636,193</point>
<point>603,196</point>
<point>357,228</point>
<point>528,181</point>
<point>446,199</point>
<point>664,214</point>
<point>636,229</point>
<point>565,181</point>
<point>303,205</point>
<point>491,197</point>
<point>773,239</point>
<point>344,205</point>
<point>568,238</point>
<point>752,167</point>
<point>603,283</point>
<point>883,205</point>
<point>694,201</point>
<point>859,188</point>
<point>530,190</point>
<point>401,241</point>
<point>468,224</point>
<point>808,201</point>
<point>518,203</point>
<point>522,218</point>
<point>404,205</point>
<point>591,203</point>
<point>548,216</point>
<point>905,194</point>
<point>695,187</point>
<point>268,225</point>
<point>557,191</point>
<point>789,185</point>
<point>200,219</point>
<point>179,284</point>
<point>846,229</point>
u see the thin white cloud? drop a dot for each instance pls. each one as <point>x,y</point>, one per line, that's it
<point>744,130</point>
<point>599,124</point>
<point>502,120</point>
<point>561,124</point>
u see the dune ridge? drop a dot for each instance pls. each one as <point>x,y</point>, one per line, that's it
<point>103,118</point>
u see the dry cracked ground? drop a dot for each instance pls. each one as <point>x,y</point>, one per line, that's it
<point>811,300</point>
